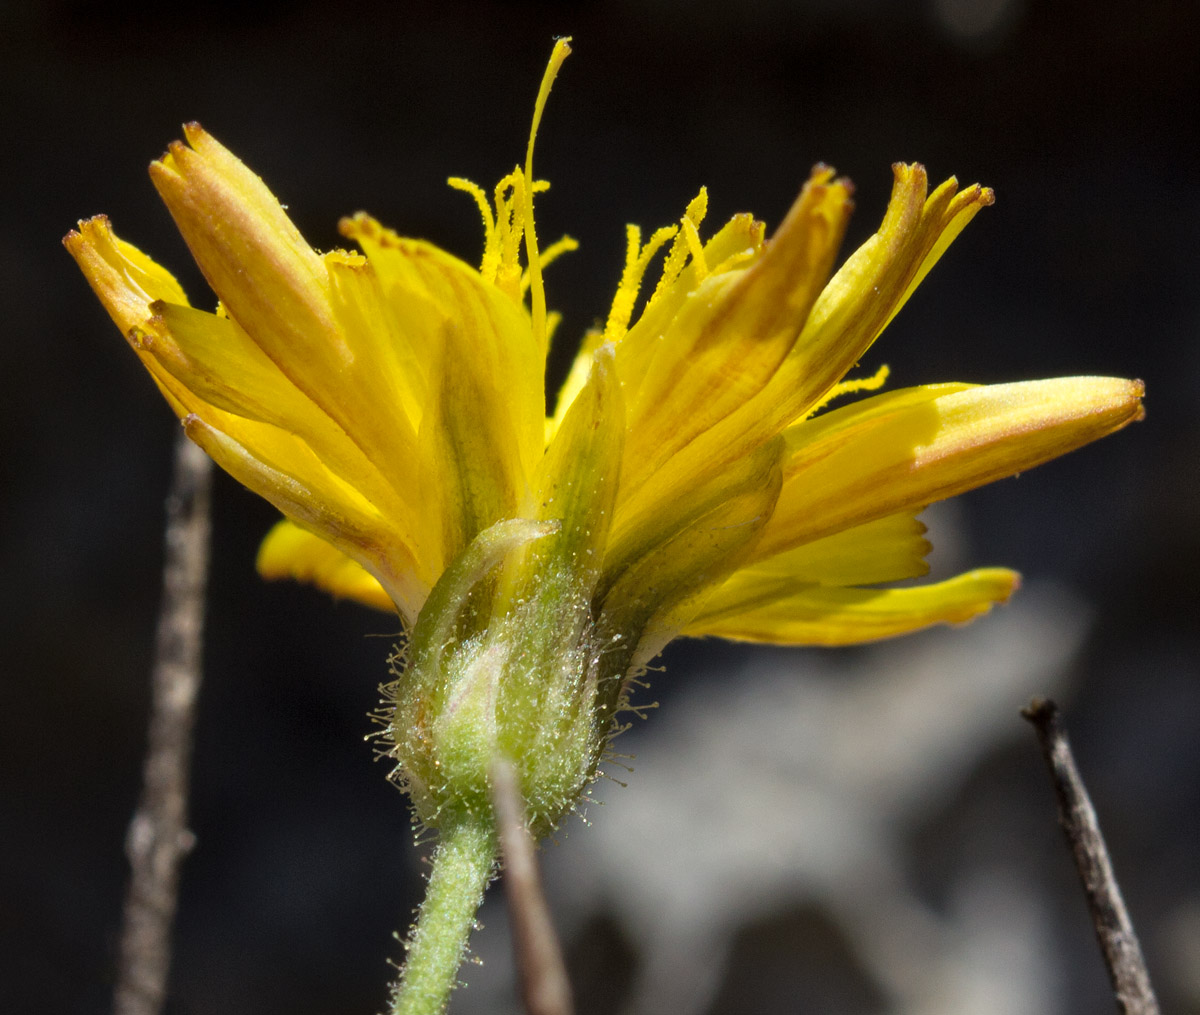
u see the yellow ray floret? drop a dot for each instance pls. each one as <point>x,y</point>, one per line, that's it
<point>291,552</point>
<point>818,615</point>
<point>690,477</point>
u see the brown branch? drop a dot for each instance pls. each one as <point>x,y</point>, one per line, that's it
<point>545,988</point>
<point>158,838</point>
<point>1114,930</point>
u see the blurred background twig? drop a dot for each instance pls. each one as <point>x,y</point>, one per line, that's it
<point>1114,929</point>
<point>158,837</point>
<point>545,988</point>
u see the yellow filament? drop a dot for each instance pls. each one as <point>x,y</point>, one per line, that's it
<point>476,191</point>
<point>677,257</point>
<point>491,250</point>
<point>510,202</point>
<point>695,247</point>
<point>872,383</point>
<point>637,258</point>
<point>698,207</point>
<point>627,288</point>
<point>503,229</point>
<point>502,247</point>
<point>549,256</point>
<point>561,51</point>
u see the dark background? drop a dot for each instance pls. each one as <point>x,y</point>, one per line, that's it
<point>1082,116</point>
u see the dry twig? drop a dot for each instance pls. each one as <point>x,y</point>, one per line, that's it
<point>158,838</point>
<point>1118,942</point>
<point>545,988</point>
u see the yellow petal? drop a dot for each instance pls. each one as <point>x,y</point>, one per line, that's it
<point>265,274</point>
<point>636,534</point>
<point>432,295</point>
<point>577,377</point>
<point>292,552</point>
<point>823,615</point>
<point>577,482</point>
<point>300,486</point>
<point>469,467</point>
<point>657,568</point>
<point>127,283</point>
<point>418,311</point>
<point>736,246</point>
<point>874,283</point>
<point>731,334</point>
<point>887,550</point>
<point>279,467</point>
<point>219,363</point>
<point>850,313</point>
<point>323,461</point>
<point>906,449</point>
<point>369,321</point>
<point>224,379</point>
<point>279,291</point>
<point>125,279</point>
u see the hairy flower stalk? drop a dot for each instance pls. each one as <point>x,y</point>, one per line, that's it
<point>689,480</point>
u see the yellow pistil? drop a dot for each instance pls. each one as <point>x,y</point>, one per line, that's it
<point>561,51</point>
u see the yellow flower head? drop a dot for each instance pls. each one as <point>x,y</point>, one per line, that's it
<point>688,480</point>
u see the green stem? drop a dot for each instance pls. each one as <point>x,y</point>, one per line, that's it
<point>462,866</point>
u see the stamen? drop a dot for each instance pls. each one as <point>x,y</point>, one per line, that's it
<point>677,258</point>
<point>698,207</point>
<point>561,51</point>
<point>627,289</point>
<point>696,248</point>
<point>476,191</point>
<point>872,383</point>
<point>637,259</point>
<point>549,256</point>
<point>633,245</point>
<point>491,252</point>
<point>510,204</point>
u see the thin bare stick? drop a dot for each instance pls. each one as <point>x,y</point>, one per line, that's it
<point>545,988</point>
<point>158,838</point>
<point>1114,930</point>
